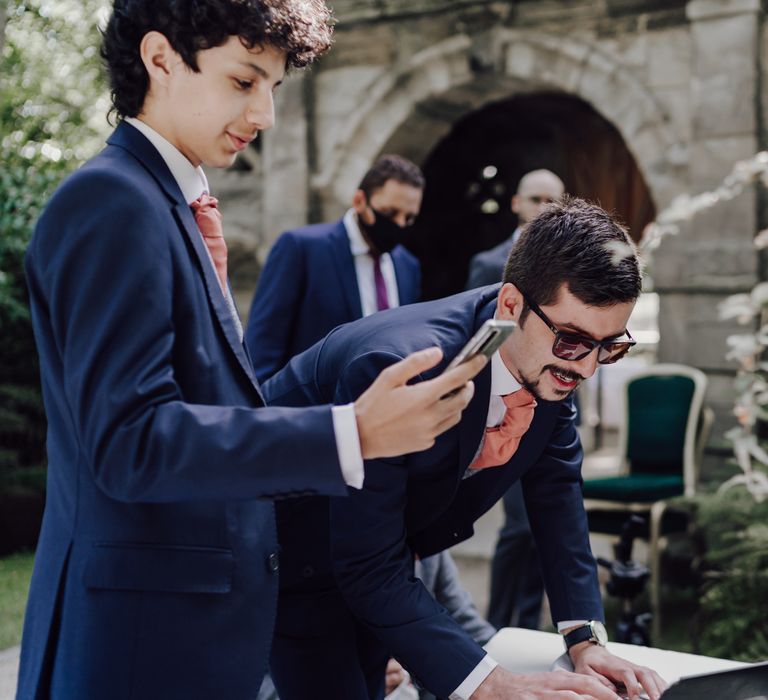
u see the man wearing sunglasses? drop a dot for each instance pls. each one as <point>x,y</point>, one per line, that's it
<point>348,597</point>
<point>516,588</point>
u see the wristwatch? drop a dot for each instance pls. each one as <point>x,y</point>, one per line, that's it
<point>592,631</point>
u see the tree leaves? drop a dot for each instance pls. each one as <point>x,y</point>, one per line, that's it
<point>53,105</point>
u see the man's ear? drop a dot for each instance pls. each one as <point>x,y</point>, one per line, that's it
<point>514,205</point>
<point>159,58</point>
<point>361,207</point>
<point>359,201</point>
<point>509,303</point>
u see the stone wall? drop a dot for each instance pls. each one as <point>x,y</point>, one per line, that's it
<point>713,256</point>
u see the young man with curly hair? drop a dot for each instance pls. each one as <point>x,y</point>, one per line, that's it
<point>156,570</point>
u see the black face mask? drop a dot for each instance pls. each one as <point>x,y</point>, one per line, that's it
<point>383,233</point>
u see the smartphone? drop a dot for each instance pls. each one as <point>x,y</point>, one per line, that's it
<point>485,342</point>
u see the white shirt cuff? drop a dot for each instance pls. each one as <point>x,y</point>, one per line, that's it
<point>472,682</point>
<point>348,445</point>
<point>567,624</point>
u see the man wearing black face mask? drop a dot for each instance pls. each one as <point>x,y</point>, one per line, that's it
<point>321,276</point>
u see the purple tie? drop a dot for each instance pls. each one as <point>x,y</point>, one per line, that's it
<point>381,288</point>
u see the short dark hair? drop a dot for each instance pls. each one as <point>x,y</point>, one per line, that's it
<point>301,28</point>
<point>391,167</point>
<point>579,244</point>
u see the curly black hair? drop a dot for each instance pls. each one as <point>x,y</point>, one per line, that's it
<point>301,28</point>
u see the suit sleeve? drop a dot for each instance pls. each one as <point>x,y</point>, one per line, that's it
<point>275,307</point>
<point>374,566</point>
<point>478,274</point>
<point>416,276</point>
<point>417,282</point>
<point>553,498</point>
<point>104,286</point>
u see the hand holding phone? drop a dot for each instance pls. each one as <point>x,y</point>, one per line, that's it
<point>485,341</point>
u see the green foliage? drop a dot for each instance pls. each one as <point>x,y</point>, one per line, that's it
<point>15,574</point>
<point>733,620</point>
<point>22,433</point>
<point>52,116</point>
<point>53,98</point>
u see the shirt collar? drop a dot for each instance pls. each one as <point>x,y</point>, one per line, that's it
<point>191,179</point>
<point>502,380</point>
<point>357,243</point>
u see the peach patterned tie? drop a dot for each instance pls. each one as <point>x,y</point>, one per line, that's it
<point>501,442</point>
<point>208,218</point>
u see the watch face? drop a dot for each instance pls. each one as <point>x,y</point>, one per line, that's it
<point>598,630</point>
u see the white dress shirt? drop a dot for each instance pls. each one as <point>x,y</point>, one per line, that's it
<point>366,282</point>
<point>502,383</point>
<point>192,183</point>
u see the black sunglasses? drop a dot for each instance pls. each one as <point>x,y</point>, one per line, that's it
<point>572,347</point>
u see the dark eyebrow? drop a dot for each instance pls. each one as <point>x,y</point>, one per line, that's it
<point>260,71</point>
<point>587,334</point>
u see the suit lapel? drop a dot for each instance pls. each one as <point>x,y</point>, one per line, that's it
<point>130,139</point>
<point>472,424</point>
<point>222,311</point>
<point>404,280</point>
<point>345,267</point>
<point>473,421</point>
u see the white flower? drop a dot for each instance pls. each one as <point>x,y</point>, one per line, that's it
<point>759,294</point>
<point>680,209</point>
<point>742,346</point>
<point>619,251</point>
<point>761,239</point>
<point>738,306</point>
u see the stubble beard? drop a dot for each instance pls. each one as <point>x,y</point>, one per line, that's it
<point>533,385</point>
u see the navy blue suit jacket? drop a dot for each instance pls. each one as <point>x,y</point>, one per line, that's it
<point>419,503</point>
<point>155,570</point>
<point>308,287</point>
<point>487,266</point>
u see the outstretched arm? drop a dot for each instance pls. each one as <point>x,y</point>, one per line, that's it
<point>155,417</point>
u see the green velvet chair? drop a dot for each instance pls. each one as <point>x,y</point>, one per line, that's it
<point>661,444</point>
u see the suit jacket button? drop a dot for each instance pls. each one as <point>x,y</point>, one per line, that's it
<point>273,562</point>
<point>308,571</point>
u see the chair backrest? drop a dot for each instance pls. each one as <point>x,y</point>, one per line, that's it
<point>664,418</point>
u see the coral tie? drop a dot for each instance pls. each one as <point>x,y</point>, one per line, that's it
<point>208,218</point>
<point>501,442</point>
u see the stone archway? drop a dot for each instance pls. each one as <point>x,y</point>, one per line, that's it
<point>474,170</point>
<point>665,79</point>
<point>504,63</point>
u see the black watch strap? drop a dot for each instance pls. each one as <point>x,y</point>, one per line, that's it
<point>580,634</point>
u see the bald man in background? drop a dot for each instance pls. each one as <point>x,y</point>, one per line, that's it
<point>535,190</point>
<point>516,585</point>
